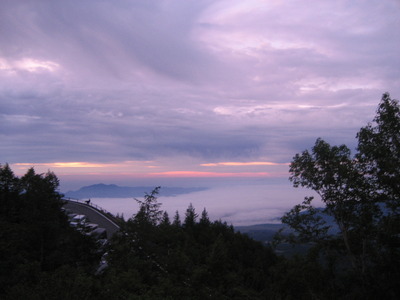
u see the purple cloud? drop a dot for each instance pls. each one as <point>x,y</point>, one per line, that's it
<point>115,81</point>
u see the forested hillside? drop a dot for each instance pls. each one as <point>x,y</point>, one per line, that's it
<point>41,256</point>
<point>155,256</point>
<point>152,257</point>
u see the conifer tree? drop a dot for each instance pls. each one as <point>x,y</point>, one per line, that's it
<point>190,217</point>
<point>204,220</point>
<point>177,220</point>
<point>165,219</point>
<point>149,208</point>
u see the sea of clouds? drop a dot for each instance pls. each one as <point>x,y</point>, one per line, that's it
<point>237,205</point>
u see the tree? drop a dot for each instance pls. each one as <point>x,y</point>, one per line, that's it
<point>165,219</point>
<point>8,182</point>
<point>149,208</point>
<point>361,194</point>
<point>190,217</point>
<point>379,158</point>
<point>10,189</point>
<point>36,241</point>
<point>199,260</point>
<point>379,152</point>
<point>333,174</point>
<point>204,220</point>
<point>177,220</point>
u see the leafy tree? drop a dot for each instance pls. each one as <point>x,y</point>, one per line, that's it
<point>379,152</point>
<point>332,173</point>
<point>361,194</point>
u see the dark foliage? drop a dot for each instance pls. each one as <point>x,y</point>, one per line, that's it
<point>361,194</point>
<point>35,238</point>
<point>195,260</point>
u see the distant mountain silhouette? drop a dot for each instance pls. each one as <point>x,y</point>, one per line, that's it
<point>114,191</point>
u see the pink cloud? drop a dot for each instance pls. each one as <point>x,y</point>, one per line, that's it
<point>210,174</point>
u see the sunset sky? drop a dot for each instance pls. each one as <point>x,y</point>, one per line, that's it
<point>121,91</point>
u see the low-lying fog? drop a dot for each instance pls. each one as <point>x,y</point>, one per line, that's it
<point>237,205</point>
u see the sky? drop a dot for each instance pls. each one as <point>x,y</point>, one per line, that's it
<point>194,91</point>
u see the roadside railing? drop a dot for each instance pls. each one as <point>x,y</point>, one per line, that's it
<point>95,206</point>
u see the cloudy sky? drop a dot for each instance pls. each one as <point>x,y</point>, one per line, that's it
<point>125,89</point>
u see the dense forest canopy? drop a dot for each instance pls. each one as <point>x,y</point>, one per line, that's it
<point>36,242</point>
<point>155,256</point>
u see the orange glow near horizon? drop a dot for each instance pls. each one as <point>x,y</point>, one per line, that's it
<point>65,165</point>
<point>82,164</point>
<point>88,168</point>
<point>149,169</point>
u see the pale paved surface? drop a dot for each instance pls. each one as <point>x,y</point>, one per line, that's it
<point>93,216</point>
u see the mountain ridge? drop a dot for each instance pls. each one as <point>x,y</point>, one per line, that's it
<point>101,190</point>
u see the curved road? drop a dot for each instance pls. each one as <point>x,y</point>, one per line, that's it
<point>93,215</point>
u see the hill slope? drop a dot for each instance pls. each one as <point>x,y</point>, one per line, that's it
<point>114,191</point>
